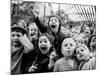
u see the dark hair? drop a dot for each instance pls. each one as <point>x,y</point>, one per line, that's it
<point>50,39</point>
<point>48,36</point>
<point>60,23</point>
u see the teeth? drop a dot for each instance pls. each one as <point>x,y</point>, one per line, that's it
<point>43,47</point>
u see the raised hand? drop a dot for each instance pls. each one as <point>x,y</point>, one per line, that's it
<point>26,43</point>
<point>52,59</point>
<point>32,68</point>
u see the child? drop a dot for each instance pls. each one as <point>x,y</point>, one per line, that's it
<point>19,45</point>
<point>74,31</point>
<point>53,28</point>
<point>33,31</point>
<point>87,62</point>
<point>92,45</point>
<point>42,58</point>
<point>33,34</point>
<point>78,39</point>
<point>67,62</point>
<point>86,34</point>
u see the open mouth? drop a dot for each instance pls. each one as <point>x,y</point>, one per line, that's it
<point>32,34</point>
<point>68,51</point>
<point>87,32</point>
<point>53,26</point>
<point>43,48</point>
<point>16,41</point>
<point>81,56</point>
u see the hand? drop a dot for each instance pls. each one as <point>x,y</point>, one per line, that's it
<point>26,42</point>
<point>32,69</point>
<point>34,9</point>
<point>52,59</point>
<point>53,55</point>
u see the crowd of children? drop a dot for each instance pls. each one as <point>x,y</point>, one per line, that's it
<point>38,47</point>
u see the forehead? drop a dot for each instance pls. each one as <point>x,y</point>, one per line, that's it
<point>86,27</point>
<point>15,32</point>
<point>79,48</point>
<point>68,40</point>
<point>32,25</point>
<point>73,29</point>
<point>54,17</point>
<point>78,38</point>
<point>43,37</point>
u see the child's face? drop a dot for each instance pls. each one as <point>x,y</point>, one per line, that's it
<point>81,53</point>
<point>68,47</point>
<point>87,30</point>
<point>44,44</point>
<point>15,37</point>
<point>54,24</point>
<point>93,44</point>
<point>74,31</point>
<point>78,41</point>
<point>33,31</point>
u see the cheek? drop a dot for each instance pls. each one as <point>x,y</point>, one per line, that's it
<point>64,49</point>
<point>77,56</point>
<point>36,32</point>
<point>48,46</point>
<point>12,39</point>
<point>57,26</point>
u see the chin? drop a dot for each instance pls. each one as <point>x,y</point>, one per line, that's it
<point>44,52</point>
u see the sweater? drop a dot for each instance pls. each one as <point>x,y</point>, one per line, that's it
<point>65,65</point>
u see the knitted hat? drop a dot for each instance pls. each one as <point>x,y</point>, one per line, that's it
<point>19,27</point>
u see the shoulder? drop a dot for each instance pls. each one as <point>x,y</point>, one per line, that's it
<point>92,60</point>
<point>91,64</point>
<point>59,61</point>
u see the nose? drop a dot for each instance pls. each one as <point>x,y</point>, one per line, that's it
<point>68,47</point>
<point>80,52</point>
<point>15,37</point>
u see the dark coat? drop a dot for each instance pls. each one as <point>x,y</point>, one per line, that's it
<point>16,60</point>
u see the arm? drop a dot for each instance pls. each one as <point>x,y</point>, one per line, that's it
<point>26,43</point>
<point>42,27</point>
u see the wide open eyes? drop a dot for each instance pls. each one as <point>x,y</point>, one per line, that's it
<point>17,35</point>
<point>66,44</point>
<point>82,50</point>
<point>53,19</point>
<point>12,35</point>
<point>43,40</point>
<point>71,44</point>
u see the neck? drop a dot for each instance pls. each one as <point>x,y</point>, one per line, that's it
<point>67,57</point>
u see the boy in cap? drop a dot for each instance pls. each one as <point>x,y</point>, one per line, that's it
<point>19,45</point>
